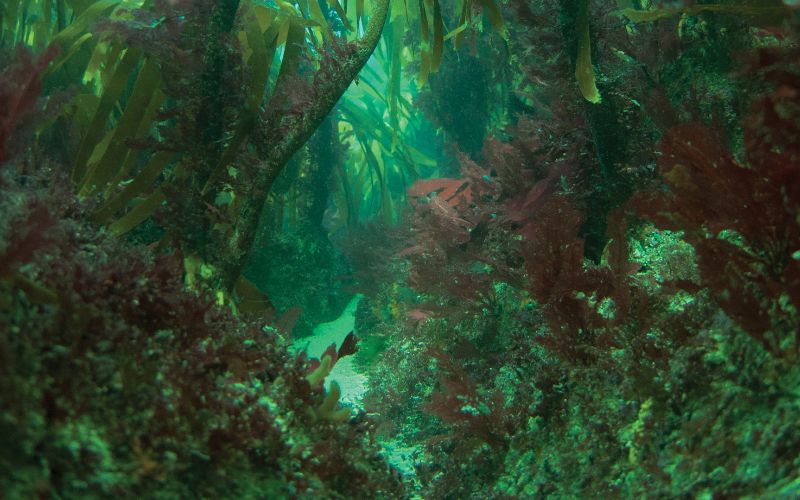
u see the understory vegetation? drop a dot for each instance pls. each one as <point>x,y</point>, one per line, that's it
<point>575,225</point>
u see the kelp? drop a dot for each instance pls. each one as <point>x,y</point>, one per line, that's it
<point>113,158</point>
<point>292,37</point>
<point>433,32</point>
<point>395,50</point>
<point>105,157</point>
<point>108,100</point>
<point>336,6</point>
<point>463,21</point>
<point>381,155</point>
<point>138,214</point>
<point>32,23</point>
<point>492,12</point>
<point>251,300</point>
<point>584,72</point>
<point>424,55</point>
<point>146,178</point>
<point>438,37</point>
<point>118,113</point>
<point>261,43</point>
<point>85,19</point>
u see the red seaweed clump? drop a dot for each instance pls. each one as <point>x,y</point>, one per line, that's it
<point>116,378</point>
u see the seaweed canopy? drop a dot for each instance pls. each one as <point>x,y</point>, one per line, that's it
<point>188,133</point>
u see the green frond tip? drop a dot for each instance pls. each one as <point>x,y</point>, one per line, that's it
<point>327,410</point>
<point>316,377</point>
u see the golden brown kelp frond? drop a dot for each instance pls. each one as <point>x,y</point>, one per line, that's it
<point>584,72</point>
<point>438,37</point>
<point>434,32</point>
<point>129,95</point>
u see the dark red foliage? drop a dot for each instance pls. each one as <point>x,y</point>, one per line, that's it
<point>448,209</point>
<point>460,404</point>
<point>30,237</point>
<point>564,285</point>
<point>155,368</point>
<point>349,346</point>
<point>553,252</point>
<point>465,236</point>
<point>20,86</point>
<point>742,218</point>
<point>169,382</point>
<point>451,222</point>
<point>443,188</point>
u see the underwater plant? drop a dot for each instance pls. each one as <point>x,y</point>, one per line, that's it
<point>574,223</point>
<point>649,341</point>
<point>742,217</point>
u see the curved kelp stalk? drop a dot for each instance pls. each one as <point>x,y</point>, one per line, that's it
<point>189,132</point>
<point>327,87</point>
<point>126,162</point>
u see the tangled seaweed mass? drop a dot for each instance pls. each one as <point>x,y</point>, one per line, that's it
<point>380,249</point>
